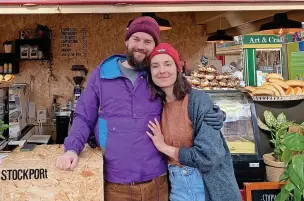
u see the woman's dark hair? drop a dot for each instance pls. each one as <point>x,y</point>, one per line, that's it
<point>181,88</point>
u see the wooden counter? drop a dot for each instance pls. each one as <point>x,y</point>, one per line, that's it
<point>32,176</point>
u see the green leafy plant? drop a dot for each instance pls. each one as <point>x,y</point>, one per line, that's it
<point>3,127</point>
<point>278,128</point>
<point>293,157</point>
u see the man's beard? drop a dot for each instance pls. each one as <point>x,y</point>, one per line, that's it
<point>137,65</point>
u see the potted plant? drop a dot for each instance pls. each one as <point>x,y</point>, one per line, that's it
<point>293,158</point>
<point>3,127</point>
<point>278,128</point>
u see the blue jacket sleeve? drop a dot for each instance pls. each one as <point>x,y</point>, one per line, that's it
<point>208,148</point>
<point>85,116</point>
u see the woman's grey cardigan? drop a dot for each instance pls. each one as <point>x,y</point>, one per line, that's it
<point>209,153</point>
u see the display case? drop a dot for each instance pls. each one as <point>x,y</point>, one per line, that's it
<point>241,133</point>
<point>4,114</point>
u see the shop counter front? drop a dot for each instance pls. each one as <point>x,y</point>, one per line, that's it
<point>33,176</point>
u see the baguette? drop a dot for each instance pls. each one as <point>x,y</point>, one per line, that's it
<point>297,90</point>
<point>280,89</point>
<point>262,92</point>
<point>290,91</point>
<point>280,83</point>
<point>272,88</point>
<point>295,83</point>
<point>274,76</point>
<point>250,89</point>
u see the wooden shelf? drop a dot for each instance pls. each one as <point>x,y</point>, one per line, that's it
<point>43,45</point>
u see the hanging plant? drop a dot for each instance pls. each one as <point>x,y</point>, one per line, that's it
<point>43,31</point>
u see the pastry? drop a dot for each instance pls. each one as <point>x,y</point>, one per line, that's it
<point>231,83</point>
<point>202,69</point>
<point>211,69</point>
<point>214,83</point>
<point>223,82</point>
<point>219,77</point>
<point>204,83</point>
<point>201,75</point>
<point>226,75</point>
<point>210,76</point>
<point>207,87</point>
<point>195,73</point>
<point>1,77</point>
<point>196,81</point>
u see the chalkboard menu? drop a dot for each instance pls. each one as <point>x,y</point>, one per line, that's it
<point>263,191</point>
<point>265,195</point>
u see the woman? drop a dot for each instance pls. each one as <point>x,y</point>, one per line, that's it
<point>200,165</point>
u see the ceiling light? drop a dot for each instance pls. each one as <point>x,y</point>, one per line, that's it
<point>281,25</point>
<point>220,37</point>
<point>164,24</point>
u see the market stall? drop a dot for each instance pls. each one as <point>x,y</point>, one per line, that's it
<point>260,54</point>
<point>84,32</point>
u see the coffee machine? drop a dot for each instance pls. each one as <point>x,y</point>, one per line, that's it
<point>79,76</point>
<point>18,109</point>
<point>65,118</point>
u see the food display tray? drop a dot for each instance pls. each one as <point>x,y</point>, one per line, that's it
<point>277,98</point>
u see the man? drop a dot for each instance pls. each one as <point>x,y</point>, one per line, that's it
<point>117,106</point>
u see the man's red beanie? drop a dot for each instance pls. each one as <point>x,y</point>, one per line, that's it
<point>144,24</point>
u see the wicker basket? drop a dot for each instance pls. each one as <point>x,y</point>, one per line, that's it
<point>273,169</point>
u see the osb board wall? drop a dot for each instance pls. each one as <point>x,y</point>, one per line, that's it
<point>104,37</point>
<point>39,180</point>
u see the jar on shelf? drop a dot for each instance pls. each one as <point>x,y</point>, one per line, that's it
<point>10,68</point>
<point>5,68</point>
<point>1,67</point>
<point>8,46</point>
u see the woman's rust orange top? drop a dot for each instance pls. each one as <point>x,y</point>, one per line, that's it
<point>176,125</point>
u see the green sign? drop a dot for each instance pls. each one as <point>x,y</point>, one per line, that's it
<point>296,70</point>
<point>264,39</point>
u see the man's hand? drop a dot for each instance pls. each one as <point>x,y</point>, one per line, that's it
<point>67,161</point>
<point>215,118</point>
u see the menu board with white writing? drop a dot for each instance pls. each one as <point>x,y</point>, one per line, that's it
<point>73,42</point>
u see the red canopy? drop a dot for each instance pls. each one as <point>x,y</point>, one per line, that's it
<point>56,2</point>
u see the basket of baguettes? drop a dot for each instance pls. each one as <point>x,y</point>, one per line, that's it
<point>277,89</point>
